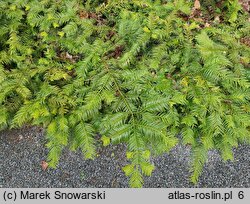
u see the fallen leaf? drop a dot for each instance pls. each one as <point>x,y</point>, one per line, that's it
<point>197,4</point>
<point>245,5</point>
<point>20,137</point>
<point>207,25</point>
<point>44,165</point>
<point>83,14</point>
<point>217,19</point>
<point>198,19</point>
<point>68,56</point>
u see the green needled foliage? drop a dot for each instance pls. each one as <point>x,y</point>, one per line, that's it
<point>136,72</point>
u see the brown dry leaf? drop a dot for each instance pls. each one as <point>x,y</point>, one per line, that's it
<point>197,4</point>
<point>83,14</point>
<point>44,165</point>
<point>217,19</point>
<point>207,25</point>
<point>198,19</point>
<point>245,5</point>
<point>68,56</point>
<point>246,41</point>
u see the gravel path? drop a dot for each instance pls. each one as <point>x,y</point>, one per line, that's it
<point>23,150</point>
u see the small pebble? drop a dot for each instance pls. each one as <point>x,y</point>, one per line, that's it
<point>21,166</point>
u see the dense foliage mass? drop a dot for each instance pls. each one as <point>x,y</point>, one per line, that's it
<point>146,73</point>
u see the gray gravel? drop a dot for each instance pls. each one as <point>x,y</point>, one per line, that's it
<point>23,150</point>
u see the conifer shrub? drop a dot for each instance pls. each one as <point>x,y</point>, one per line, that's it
<point>150,74</point>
